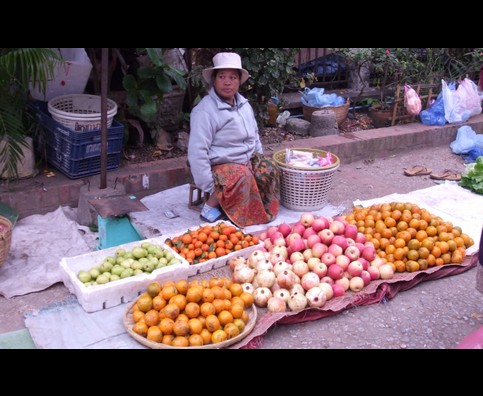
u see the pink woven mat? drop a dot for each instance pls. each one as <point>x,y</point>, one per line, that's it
<point>372,293</point>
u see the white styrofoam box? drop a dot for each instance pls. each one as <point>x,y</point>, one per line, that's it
<point>97,297</point>
<point>219,262</point>
<point>70,77</point>
<point>201,268</point>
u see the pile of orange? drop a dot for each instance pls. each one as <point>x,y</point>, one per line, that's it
<point>410,238</point>
<point>192,313</point>
<point>210,241</point>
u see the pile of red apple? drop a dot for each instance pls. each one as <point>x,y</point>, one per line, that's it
<point>315,252</point>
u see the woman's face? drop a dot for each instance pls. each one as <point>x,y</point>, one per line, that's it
<point>227,83</point>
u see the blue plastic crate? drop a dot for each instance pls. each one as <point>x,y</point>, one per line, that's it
<point>78,153</point>
<point>80,167</point>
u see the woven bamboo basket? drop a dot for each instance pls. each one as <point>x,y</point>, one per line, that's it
<point>5,238</point>
<point>340,111</point>
<point>129,322</point>
<point>305,189</point>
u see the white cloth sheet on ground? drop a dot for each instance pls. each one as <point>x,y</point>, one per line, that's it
<point>67,325</point>
<point>38,244</point>
<point>176,199</point>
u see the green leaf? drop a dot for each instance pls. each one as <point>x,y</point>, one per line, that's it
<point>164,84</point>
<point>146,72</point>
<point>132,100</point>
<point>156,56</point>
<point>177,76</point>
<point>149,109</point>
<point>129,83</point>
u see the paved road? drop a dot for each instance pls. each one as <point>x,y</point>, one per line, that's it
<point>437,314</point>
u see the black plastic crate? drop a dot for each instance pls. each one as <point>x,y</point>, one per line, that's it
<point>78,153</point>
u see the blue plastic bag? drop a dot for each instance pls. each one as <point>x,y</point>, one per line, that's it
<point>435,114</point>
<point>466,140</point>
<point>315,97</point>
<point>473,154</point>
<point>467,143</point>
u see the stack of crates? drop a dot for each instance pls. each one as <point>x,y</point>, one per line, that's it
<point>78,153</point>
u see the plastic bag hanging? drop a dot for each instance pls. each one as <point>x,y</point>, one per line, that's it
<point>412,102</point>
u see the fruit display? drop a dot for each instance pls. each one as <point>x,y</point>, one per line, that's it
<point>198,313</point>
<point>96,295</point>
<point>141,259</point>
<point>410,238</point>
<point>210,241</point>
<point>318,258</point>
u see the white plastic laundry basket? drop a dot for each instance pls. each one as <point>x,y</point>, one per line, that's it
<point>81,112</point>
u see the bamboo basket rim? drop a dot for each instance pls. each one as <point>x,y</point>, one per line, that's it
<point>5,239</point>
<point>129,322</point>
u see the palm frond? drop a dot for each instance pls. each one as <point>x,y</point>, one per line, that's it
<point>28,65</point>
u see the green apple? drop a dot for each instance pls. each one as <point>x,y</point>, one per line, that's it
<point>127,273</point>
<point>120,252</point>
<point>169,256</point>
<point>84,276</point>
<point>117,270</point>
<point>136,265</point>
<point>139,252</point>
<point>148,267</point>
<point>106,266</point>
<point>174,260</point>
<point>110,259</point>
<point>127,263</point>
<point>102,279</point>
<point>94,272</point>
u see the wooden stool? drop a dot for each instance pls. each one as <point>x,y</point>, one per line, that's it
<point>196,197</point>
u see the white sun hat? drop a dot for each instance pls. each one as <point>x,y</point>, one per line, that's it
<point>225,60</point>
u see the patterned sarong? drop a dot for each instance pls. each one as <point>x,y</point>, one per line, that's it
<point>248,194</point>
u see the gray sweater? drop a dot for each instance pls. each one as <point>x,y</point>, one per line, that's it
<point>219,134</point>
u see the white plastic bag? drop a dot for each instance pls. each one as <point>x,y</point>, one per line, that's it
<point>412,102</point>
<point>70,76</point>
<point>466,139</point>
<point>460,103</point>
<point>472,98</point>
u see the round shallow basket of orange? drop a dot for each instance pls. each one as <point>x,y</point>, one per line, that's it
<point>129,325</point>
<point>306,188</point>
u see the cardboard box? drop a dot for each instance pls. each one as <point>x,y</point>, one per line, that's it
<point>98,297</point>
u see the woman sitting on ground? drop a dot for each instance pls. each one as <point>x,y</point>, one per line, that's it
<point>225,153</point>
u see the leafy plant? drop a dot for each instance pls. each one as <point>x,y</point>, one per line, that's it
<point>150,82</point>
<point>18,68</point>
<point>472,177</point>
<point>388,67</point>
<point>270,69</point>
